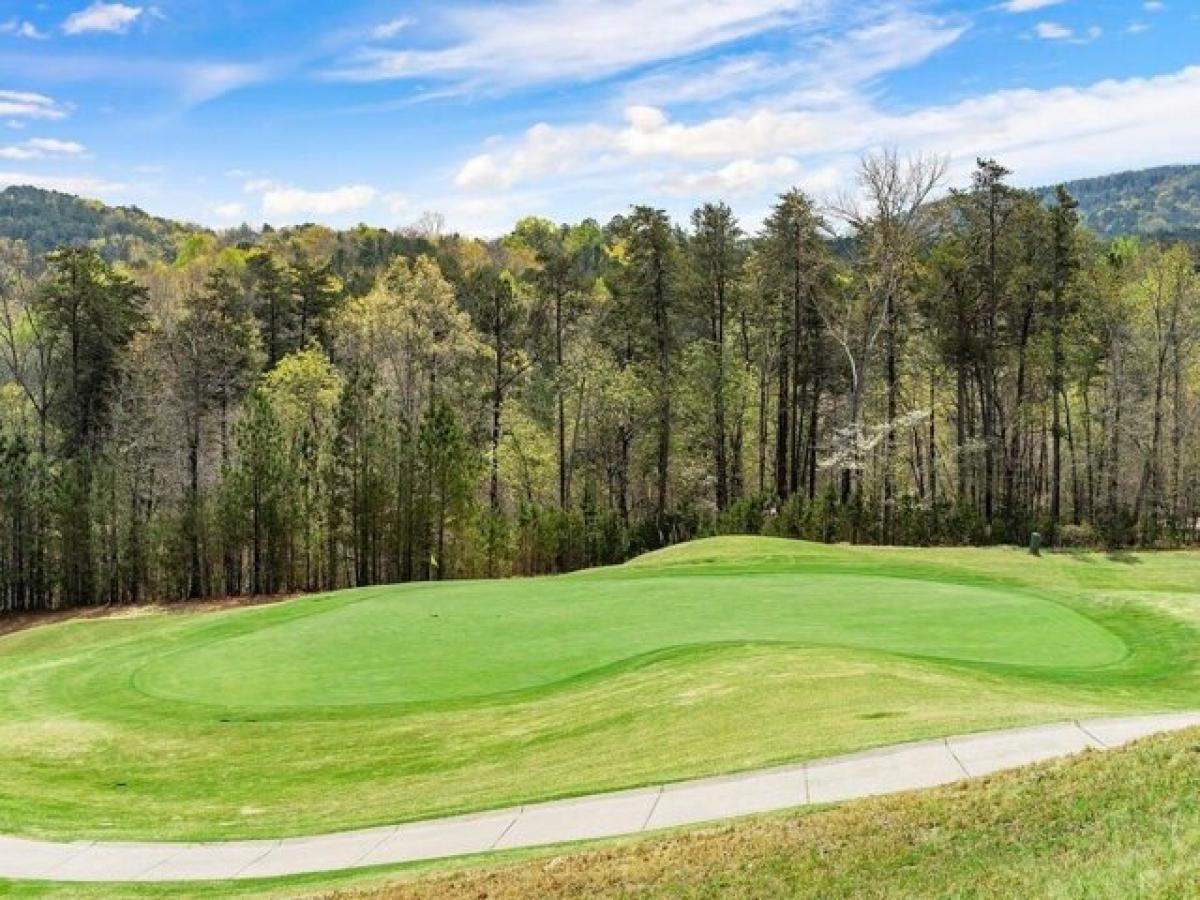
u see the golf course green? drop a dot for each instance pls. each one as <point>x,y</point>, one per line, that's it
<point>384,704</point>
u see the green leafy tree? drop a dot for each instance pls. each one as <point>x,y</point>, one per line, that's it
<point>648,282</point>
<point>793,263</point>
<point>1064,224</point>
<point>94,311</point>
<point>450,466</point>
<point>213,350</point>
<point>260,478</point>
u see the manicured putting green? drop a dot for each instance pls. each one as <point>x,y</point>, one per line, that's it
<point>387,704</point>
<point>457,641</point>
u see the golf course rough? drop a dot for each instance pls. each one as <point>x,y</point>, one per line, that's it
<point>384,704</point>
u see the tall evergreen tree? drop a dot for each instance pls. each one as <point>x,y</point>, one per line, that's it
<point>716,256</point>
<point>651,284</point>
<point>95,311</point>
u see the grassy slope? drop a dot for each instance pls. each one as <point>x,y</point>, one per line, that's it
<point>600,680</point>
<point>1110,825</point>
<point>1123,823</point>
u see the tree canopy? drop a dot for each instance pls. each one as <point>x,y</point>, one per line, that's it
<point>259,412</point>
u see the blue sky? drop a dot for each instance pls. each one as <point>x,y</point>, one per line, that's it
<point>223,111</point>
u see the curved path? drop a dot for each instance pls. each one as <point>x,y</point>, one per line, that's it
<point>899,768</point>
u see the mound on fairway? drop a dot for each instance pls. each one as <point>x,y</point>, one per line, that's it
<point>383,704</point>
<point>458,642</point>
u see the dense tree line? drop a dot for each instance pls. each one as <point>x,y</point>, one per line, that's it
<point>305,409</point>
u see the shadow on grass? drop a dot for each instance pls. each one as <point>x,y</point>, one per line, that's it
<point>1084,555</point>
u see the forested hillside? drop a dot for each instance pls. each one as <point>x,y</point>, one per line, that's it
<point>1160,202</point>
<point>44,220</point>
<point>306,409</point>
<point>1149,202</point>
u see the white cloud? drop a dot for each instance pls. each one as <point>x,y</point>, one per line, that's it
<point>70,184</point>
<point>230,212</point>
<point>23,104</point>
<point>827,79</point>
<point>1023,6</point>
<point>286,203</point>
<point>508,44</point>
<point>544,151</point>
<point>114,18</point>
<point>484,171</point>
<point>22,28</point>
<point>388,30</point>
<point>259,185</point>
<point>738,178</point>
<point>1043,134</point>
<point>44,148</point>
<point>1052,31</point>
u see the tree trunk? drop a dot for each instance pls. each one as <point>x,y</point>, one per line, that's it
<point>564,497</point>
<point>890,443</point>
<point>783,428</point>
<point>720,460</point>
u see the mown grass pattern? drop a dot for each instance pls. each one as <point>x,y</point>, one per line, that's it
<point>387,704</point>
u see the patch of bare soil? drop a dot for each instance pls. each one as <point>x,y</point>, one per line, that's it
<point>12,622</point>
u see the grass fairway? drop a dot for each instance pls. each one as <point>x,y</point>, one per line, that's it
<point>377,705</point>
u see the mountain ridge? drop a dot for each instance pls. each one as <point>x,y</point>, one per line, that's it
<point>45,219</point>
<point>1159,202</point>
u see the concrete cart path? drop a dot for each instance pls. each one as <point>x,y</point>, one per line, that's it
<point>899,768</point>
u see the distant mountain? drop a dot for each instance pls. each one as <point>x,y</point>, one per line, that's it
<point>1163,202</point>
<point>48,219</point>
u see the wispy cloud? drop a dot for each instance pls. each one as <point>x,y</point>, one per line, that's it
<point>193,81</point>
<point>44,148</point>
<point>1024,6</point>
<point>87,185</point>
<point>24,104</point>
<point>1053,31</point>
<point>200,82</point>
<point>22,28</point>
<point>825,78</point>
<point>510,44</point>
<point>387,30</point>
<point>114,18</point>
<point>818,67</point>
